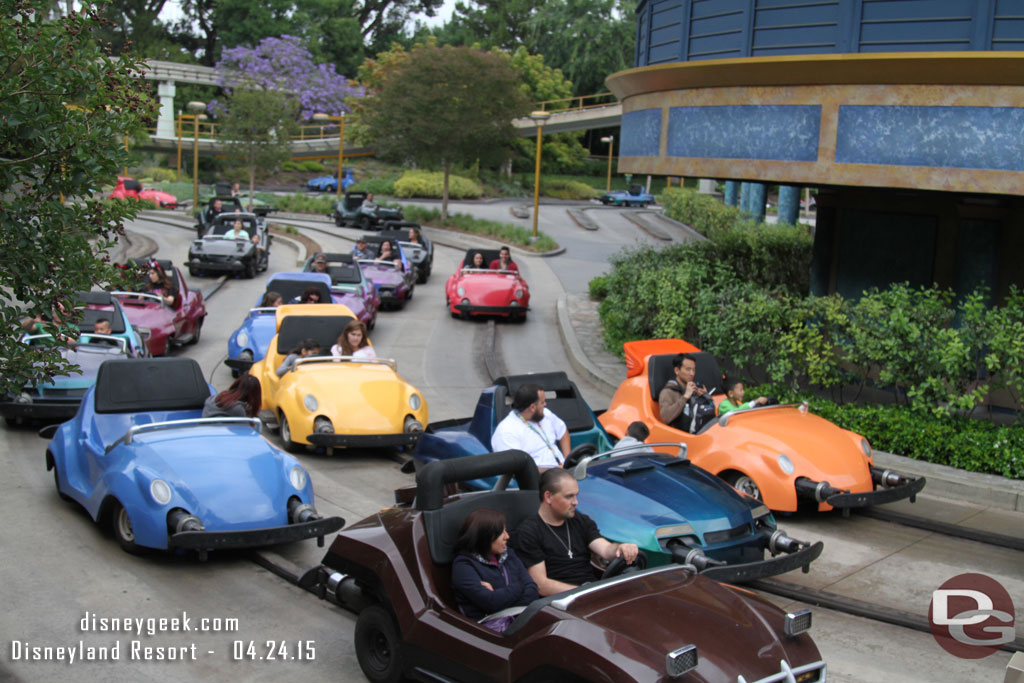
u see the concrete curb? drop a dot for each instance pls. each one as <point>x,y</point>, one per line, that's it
<point>948,482</point>
<point>648,227</point>
<point>580,218</point>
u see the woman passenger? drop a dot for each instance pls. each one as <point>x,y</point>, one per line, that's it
<point>311,295</point>
<point>305,349</point>
<point>158,283</point>
<point>271,300</point>
<point>386,254</point>
<point>487,575</point>
<point>478,261</point>
<point>241,399</point>
<point>353,342</point>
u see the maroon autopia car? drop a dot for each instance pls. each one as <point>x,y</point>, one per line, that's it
<point>163,326</point>
<point>662,624</point>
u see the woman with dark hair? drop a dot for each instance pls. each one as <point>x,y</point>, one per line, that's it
<point>389,253</point>
<point>311,295</point>
<point>271,300</point>
<point>353,342</point>
<point>158,283</point>
<point>306,348</point>
<point>478,261</point>
<point>241,399</point>
<point>487,576</point>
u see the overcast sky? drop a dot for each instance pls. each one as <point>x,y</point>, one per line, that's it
<point>172,12</point>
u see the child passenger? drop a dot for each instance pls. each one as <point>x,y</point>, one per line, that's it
<point>734,398</point>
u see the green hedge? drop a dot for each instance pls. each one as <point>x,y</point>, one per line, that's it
<point>506,232</point>
<point>431,185</point>
<point>952,440</point>
<point>378,186</point>
<point>566,189</point>
<point>304,203</point>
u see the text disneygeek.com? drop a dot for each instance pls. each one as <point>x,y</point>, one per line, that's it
<point>140,648</point>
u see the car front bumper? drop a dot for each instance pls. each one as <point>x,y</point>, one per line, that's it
<point>489,310</point>
<point>222,540</point>
<point>879,496</point>
<point>40,410</point>
<point>234,266</point>
<point>365,440</point>
<point>780,564</point>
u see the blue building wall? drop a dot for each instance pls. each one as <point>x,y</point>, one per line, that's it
<point>689,30</point>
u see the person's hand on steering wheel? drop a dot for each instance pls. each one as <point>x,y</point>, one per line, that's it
<point>628,552</point>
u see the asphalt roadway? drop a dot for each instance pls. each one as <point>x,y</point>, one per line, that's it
<point>57,568</point>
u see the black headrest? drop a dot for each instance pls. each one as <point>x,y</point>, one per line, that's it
<point>355,195</point>
<point>226,221</point>
<point>442,526</point>
<point>333,257</point>
<point>636,189</point>
<point>659,371</point>
<point>324,329</point>
<point>348,274</point>
<point>94,298</point>
<point>376,239</point>
<point>141,385</point>
<point>226,199</point>
<point>432,479</point>
<point>291,290</point>
<point>400,226</point>
<point>132,184</point>
<point>489,255</point>
<point>222,187</point>
<point>567,402</point>
<point>91,315</point>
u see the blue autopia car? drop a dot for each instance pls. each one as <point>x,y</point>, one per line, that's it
<point>95,306</point>
<point>329,183</point>
<point>634,196</point>
<point>139,457</point>
<point>674,510</point>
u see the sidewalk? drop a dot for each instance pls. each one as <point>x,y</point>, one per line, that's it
<point>582,335</point>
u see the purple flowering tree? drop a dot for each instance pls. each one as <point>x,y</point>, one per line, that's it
<point>284,65</point>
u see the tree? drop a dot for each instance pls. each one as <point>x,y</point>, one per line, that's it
<point>65,105</point>
<point>257,125</point>
<point>448,105</point>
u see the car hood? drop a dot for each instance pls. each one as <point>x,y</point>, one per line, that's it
<point>356,304</point>
<point>360,398</point>
<point>818,448</point>
<point>633,491</point>
<point>659,613</point>
<point>482,288</point>
<point>226,476</point>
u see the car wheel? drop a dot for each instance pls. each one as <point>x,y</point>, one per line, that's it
<point>422,276</point>
<point>193,271</point>
<point>123,532</point>
<point>363,222</point>
<point>198,333</point>
<point>744,484</point>
<point>378,645</point>
<point>373,322</point>
<point>250,269</point>
<point>11,421</point>
<point>286,436</point>
<point>56,484</point>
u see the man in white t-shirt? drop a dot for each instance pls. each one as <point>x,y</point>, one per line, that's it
<point>529,427</point>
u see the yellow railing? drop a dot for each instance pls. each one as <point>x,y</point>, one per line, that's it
<point>582,102</point>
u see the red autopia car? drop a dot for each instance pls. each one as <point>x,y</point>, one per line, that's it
<point>482,291</point>
<point>129,187</point>
<point>160,324</point>
<point>660,624</point>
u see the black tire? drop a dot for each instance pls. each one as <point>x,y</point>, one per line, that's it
<point>363,223</point>
<point>372,324</point>
<point>11,421</point>
<point>56,483</point>
<point>339,221</point>
<point>198,333</point>
<point>193,271</point>
<point>121,525</point>
<point>250,269</point>
<point>378,645</point>
<point>286,436</point>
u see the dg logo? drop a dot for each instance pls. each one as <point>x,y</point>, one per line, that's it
<point>971,616</point>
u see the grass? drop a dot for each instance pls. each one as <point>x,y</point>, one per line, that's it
<point>460,222</point>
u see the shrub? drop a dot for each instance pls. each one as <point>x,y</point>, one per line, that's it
<point>702,212</point>
<point>505,232</point>
<point>289,165</point>
<point>431,185</point>
<point>599,287</point>
<point>304,203</point>
<point>383,186</point>
<point>160,175</point>
<point>311,166</point>
<point>566,189</point>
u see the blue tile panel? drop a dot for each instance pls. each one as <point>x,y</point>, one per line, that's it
<point>775,132</point>
<point>641,133</point>
<point>943,137</point>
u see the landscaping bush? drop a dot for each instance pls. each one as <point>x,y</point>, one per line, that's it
<point>566,189</point>
<point>289,165</point>
<point>505,232</point>
<point>431,185</point>
<point>157,174</point>
<point>311,166</point>
<point>599,287</point>
<point>378,186</point>
<point>304,203</point>
<point>702,212</point>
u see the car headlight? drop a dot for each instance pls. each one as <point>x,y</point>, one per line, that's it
<point>461,291</point>
<point>160,491</point>
<point>866,447</point>
<point>309,400</point>
<point>297,477</point>
<point>786,464</point>
<point>242,339</point>
<point>415,401</point>
<point>519,294</point>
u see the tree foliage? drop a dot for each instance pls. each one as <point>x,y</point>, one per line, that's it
<point>257,126</point>
<point>449,105</point>
<point>65,107</point>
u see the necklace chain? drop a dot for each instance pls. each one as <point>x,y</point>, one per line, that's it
<point>567,544</point>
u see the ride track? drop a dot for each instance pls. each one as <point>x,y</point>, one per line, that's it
<point>493,364</point>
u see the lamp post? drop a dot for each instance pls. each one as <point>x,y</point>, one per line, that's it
<point>610,139</point>
<point>341,142</point>
<point>539,118</point>
<point>195,107</point>
<point>179,146</point>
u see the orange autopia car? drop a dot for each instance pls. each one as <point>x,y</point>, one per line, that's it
<point>781,454</point>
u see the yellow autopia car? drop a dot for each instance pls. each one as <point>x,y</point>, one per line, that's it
<point>335,402</point>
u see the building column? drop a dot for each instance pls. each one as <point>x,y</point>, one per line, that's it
<point>706,186</point>
<point>165,122</point>
<point>744,204</point>
<point>732,192</point>
<point>758,192</point>
<point>789,204</point>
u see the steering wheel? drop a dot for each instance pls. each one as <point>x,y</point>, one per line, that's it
<point>619,566</point>
<point>577,454</point>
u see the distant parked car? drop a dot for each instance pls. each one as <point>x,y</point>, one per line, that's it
<point>634,196</point>
<point>130,188</point>
<point>329,183</point>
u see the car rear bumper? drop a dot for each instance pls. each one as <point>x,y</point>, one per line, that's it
<point>780,564</point>
<point>365,440</point>
<point>40,410</point>
<point>221,540</point>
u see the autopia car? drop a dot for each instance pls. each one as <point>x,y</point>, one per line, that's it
<point>139,457</point>
<point>674,510</point>
<point>482,291</point>
<point>634,196</point>
<point>164,325</point>
<point>420,254</point>
<point>216,254</point>
<point>349,286</point>
<point>782,454</point>
<point>129,188</point>
<point>335,402</point>
<point>351,211</point>
<point>661,624</point>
